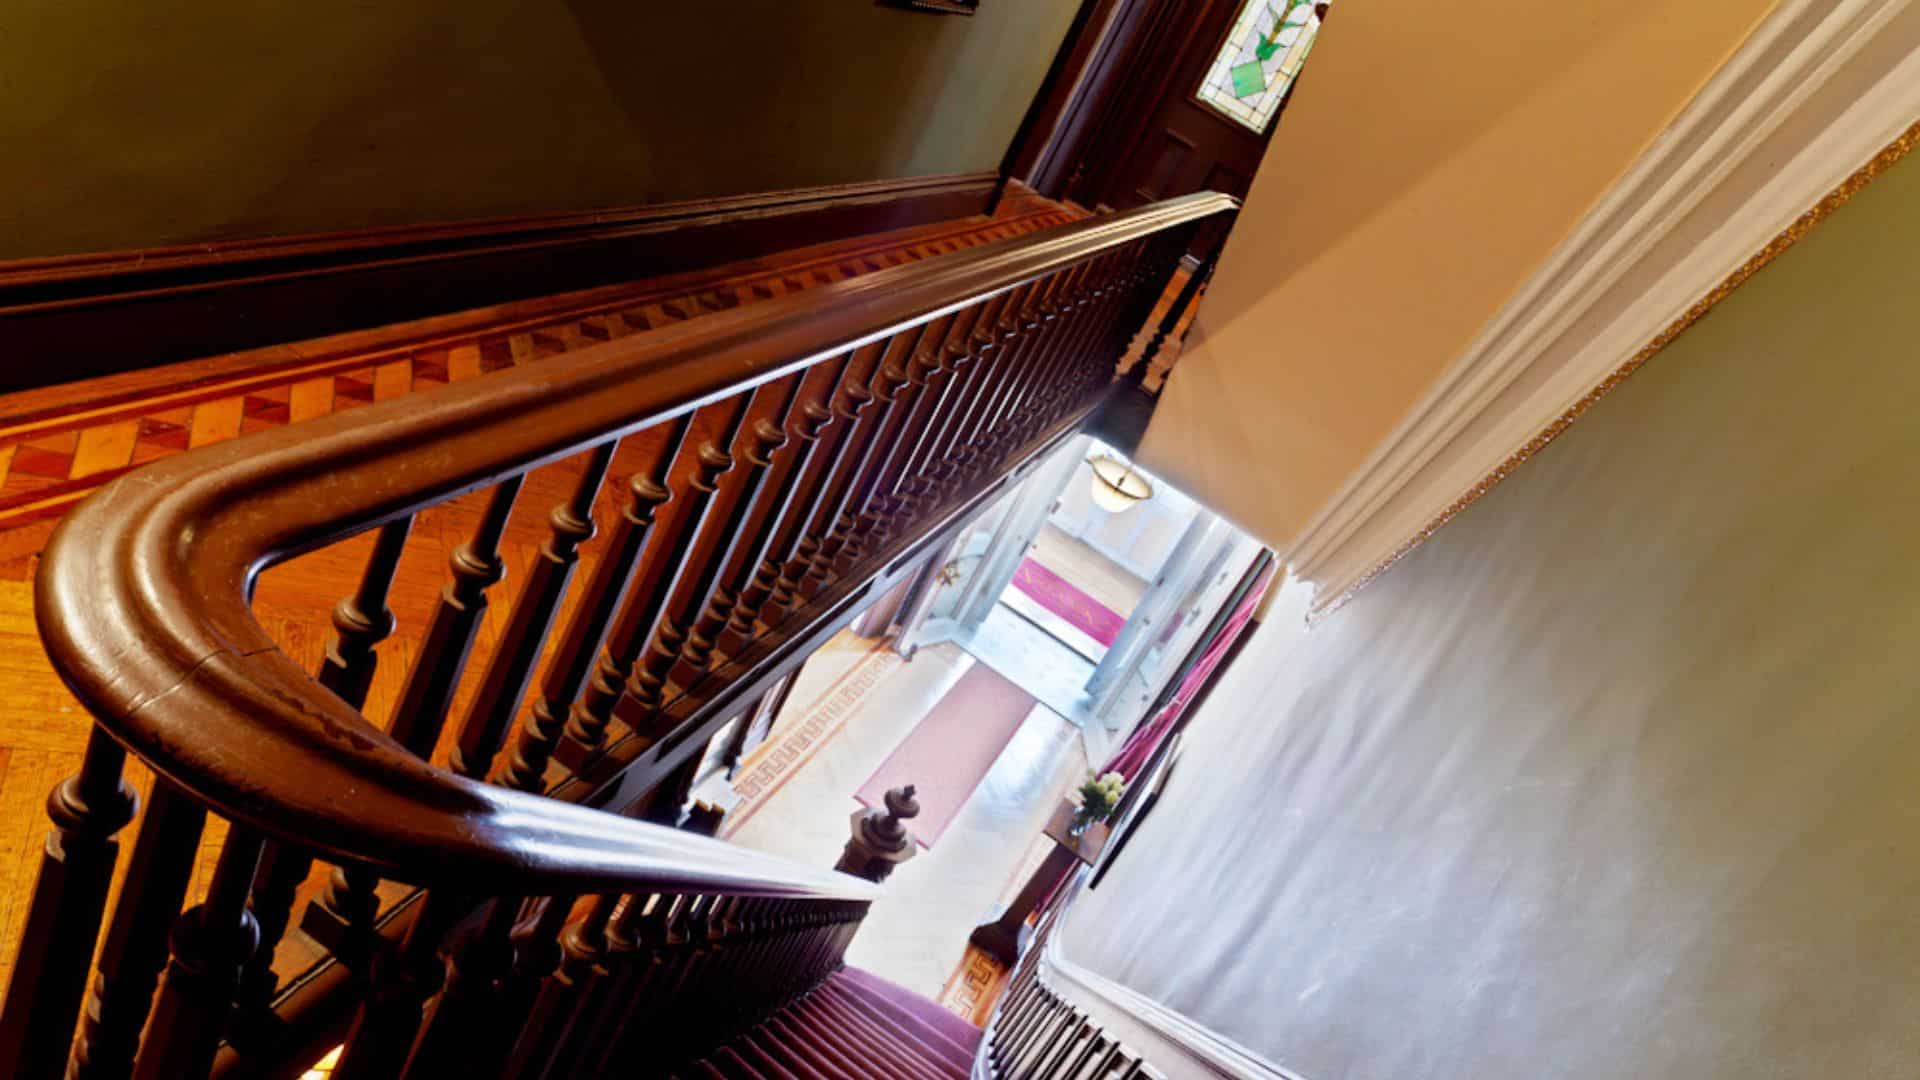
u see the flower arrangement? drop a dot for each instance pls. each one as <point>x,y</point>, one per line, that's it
<point>1096,799</point>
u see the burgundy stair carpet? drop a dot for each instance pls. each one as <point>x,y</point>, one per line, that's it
<point>854,1026</point>
<point>1064,598</point>
<point>949,752</point>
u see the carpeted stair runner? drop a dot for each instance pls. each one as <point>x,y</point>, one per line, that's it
<point>854,1026</point>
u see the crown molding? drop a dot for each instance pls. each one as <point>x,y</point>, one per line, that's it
<point>1815,92</point>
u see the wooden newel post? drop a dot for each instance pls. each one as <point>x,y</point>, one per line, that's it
<point>880,841</point>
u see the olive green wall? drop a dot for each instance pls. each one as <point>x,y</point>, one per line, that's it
<point>130,125</point>
<point>1614,776</point>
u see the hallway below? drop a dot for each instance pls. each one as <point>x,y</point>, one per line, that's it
<point>916,935</point>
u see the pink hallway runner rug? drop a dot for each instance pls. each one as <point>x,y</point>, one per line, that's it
<point>1063,598</point>
<point>948,753</point>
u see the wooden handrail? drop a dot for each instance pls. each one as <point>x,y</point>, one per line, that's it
<point>142,592</point>
<point>142,597</point>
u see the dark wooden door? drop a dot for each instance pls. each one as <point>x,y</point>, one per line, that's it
<point>1119,122</point>
<point>1178,145</point>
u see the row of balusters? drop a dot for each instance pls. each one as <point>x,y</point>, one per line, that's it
<point>1040,1035</point>
<point>842,459</point>
<point>634,985</point>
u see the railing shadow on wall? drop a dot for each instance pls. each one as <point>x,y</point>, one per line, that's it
<point>792,456</point>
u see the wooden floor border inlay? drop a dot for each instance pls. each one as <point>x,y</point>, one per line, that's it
<point>51,458</point>
<point>784,756</point>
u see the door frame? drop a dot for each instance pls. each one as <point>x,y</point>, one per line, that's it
<point>1032,501</point>
<point>1097,102</point>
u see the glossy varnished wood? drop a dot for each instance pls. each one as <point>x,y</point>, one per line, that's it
<point>44,732</point>
<point>90,315</point>
<point>153,608</point>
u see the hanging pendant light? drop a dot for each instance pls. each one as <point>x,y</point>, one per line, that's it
<point>1116,487</point>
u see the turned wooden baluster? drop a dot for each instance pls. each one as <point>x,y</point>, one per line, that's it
<point>1138,372</point>
<point>710,597</point>
<point>683,1038</point>
<point>1137,291</point>
<point>856,429</point>
<point>639,987</point>
<point>1031,353</point>
<point>717,998</point>
<point>900,509</point>
<point>644,615</point>
<point>575,658</point>
<point>212,943</point>
<point>1146,269</point>
<point>360,623</point>
<point>1036,365</point>
<point>88,810</point>
<point>671,607</point>
<point>760,570</point>
<point>1065,384</point>
<point>508,673</point>
<point>1106,338</point>
<point>889,380</point>
<point>987,371</point>
<point>698,979</point>
<point>533,954</point>
<point>1008,374</point>
<point>1064,354</point>
<point>878,504</point>
<point>136,947</point>
<point>563,995</point>
<point>648,1026</point>
<point>621,960</point>
<point>384,1029</point>
<point>427,695</point>
<point>922,370</point>
<point>955,389</point>
<point>931,376</point>
<point>725,996</point>
<point>1106,330</point>
<point>876,521</point>
<point>626,959</point>
<point>459,1033</point>
<point>1055,359</point>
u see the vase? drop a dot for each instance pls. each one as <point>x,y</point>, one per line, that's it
<point>1082,821</point>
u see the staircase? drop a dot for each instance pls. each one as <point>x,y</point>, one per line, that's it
<point>853,1026</point>
<point>480,864</point>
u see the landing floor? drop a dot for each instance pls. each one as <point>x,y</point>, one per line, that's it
<point>916,935</point>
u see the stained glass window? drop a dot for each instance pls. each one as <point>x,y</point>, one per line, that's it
<point>1260,60</point>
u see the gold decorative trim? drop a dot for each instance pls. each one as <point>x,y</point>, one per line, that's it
<point>1787,238</point>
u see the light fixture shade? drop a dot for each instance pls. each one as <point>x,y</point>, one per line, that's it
<point>1116,487</point>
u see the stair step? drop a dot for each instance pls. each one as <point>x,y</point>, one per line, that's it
<point>854,1026</point>
<point>955,1028</point>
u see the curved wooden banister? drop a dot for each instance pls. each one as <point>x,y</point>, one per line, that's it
<point>143,603</point>
<point>142,593</point>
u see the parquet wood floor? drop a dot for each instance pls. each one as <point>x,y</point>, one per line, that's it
<point>57,445</point>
